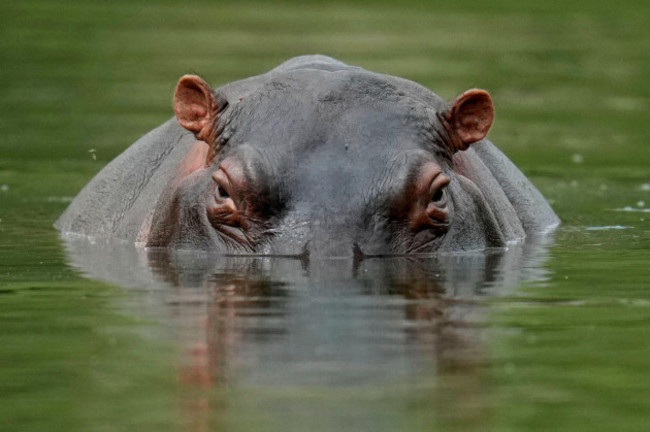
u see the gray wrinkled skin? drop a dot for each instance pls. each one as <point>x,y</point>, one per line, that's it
<point>328,149</point>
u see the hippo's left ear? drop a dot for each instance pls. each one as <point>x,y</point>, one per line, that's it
<point>469,118</point>
<point>196,107</point>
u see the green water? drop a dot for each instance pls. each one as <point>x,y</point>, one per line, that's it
<point>564,345</point>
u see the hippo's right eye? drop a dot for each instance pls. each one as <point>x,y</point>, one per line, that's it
<point>437,196</point>
<point>224,210</point>
<point>222,192</point>
<point>237,204</point>
<point>223,185</point>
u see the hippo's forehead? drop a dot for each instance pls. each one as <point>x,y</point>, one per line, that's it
<point>309,108</point>
<point>333,138</point>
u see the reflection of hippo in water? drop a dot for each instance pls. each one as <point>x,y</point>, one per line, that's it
<point>314,157</point>
<point>283,321</point>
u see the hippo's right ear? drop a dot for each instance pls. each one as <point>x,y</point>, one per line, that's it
<point>196,107</point>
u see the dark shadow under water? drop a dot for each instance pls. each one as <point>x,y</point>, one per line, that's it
<point>279,321</point>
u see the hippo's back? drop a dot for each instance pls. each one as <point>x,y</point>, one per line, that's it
<point>117,201</point>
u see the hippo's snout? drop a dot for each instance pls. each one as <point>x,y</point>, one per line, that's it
<point>332,248</point>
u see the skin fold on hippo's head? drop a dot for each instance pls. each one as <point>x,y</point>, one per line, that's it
<point>325,163</point>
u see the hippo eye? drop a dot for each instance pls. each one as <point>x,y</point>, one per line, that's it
<point>437,190</point>
<point>224,211</point>
<point>437,195</point>
<point>222,192</point>
<point>428,208</point>
<point>223,183</point>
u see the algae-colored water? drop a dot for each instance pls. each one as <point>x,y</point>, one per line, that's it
<point>550,336</point>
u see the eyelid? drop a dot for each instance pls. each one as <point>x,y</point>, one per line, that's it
<point>221,178</point>
<point>438,183</point>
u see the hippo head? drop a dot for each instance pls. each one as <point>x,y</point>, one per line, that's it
<point>326,163</point>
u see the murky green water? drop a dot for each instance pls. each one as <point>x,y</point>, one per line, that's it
<point>544,337</point>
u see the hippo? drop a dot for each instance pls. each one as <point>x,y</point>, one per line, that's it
<point>314,158</point>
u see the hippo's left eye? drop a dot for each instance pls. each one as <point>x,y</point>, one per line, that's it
<point>437,190</point>
<point>437,208</point>
<point>429,203</point>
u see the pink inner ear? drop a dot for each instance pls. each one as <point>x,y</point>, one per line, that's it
<point>195,111</point>
<point>192,103</point>
<point>472,114</point>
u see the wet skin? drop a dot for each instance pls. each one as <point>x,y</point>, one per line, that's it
<point>315,158</point>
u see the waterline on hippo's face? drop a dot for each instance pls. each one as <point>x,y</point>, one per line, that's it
<point>317,158</point>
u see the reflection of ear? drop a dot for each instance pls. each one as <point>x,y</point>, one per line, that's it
<point>196,107</point>
<point>469,118</point>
